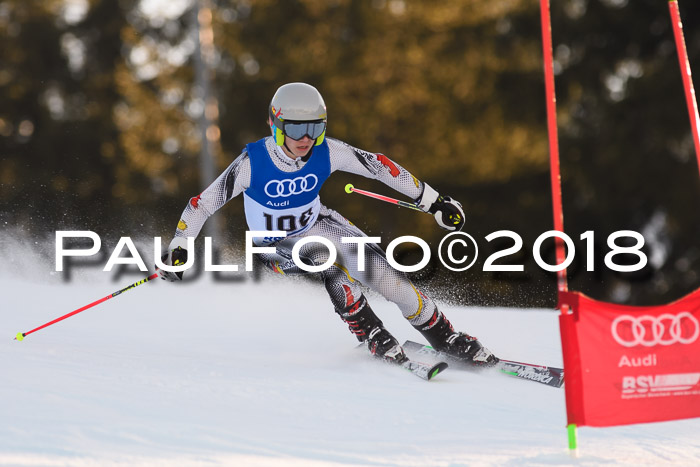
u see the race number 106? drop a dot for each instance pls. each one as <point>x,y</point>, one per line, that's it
<point>615,249</point>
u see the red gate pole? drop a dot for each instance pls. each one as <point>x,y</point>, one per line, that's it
<point>555,174</point>
<point>686,74</point>
<point>553,140</point>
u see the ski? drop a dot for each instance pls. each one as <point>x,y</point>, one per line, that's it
<point>423,370</point>
<point>550,376</point>
<point>426,371</point>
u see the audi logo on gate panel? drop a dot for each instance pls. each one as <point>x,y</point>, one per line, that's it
<point>289,187</point>
<point>646,330</point>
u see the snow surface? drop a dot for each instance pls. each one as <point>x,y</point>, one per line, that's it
<point>265,374</point>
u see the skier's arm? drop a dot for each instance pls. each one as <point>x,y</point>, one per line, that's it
<point>347,158</point>
<point>233,181</point>
<point>448,212</point>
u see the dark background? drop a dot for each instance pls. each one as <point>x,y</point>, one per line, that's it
<point>98,123</point>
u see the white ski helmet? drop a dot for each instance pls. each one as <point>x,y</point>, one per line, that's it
<point>298,110</point>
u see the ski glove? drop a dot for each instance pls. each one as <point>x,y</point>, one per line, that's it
<point>176,257</point>
<point>448,212</point>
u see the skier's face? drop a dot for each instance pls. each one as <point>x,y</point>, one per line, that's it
<point>298,148</point>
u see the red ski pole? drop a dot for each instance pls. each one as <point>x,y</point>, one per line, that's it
<point>21,335</point>
<point>685,74</point>
<point>351,189</point>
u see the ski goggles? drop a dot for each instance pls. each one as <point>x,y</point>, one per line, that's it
<point>297,130</point>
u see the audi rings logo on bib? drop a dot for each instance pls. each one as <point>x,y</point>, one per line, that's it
<point>289,187</point>
<point>649,331</point>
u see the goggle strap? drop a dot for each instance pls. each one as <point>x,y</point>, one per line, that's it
<point>279,136</point>
<point>320,139</point>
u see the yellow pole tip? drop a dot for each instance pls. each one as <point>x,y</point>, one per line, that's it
<point>349,188</point>
<point>19,336</point>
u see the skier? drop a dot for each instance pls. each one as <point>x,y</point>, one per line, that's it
<point>280,177</point>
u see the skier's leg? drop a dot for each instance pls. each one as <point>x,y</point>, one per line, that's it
<point>417,307</point>
<point>438,331</point>
<point>344,291</point>
<point>368,328</point>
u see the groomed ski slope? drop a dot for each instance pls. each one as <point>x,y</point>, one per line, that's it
<point>265,374</point>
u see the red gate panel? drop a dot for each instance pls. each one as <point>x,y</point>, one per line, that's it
<point>628,364</point>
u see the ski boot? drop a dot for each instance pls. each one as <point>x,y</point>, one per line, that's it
<point>438,331</point>
<point>369,329</point>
